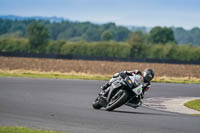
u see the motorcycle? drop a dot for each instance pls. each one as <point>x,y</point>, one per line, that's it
<point>121,91</point>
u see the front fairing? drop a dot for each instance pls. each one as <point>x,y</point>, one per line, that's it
<point>129,82</point>
<point>134,84</point>
<point>138,90</point>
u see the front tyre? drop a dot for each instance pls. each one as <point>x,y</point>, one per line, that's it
<point>96,104</point>
<point>117,100</point>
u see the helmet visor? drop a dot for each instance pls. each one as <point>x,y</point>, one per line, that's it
<point>147,76</point>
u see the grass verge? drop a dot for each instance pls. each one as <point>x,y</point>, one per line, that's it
<point>194,104</point>
<point>24,130</point>
<point>56,75</point>
<point>197,115</point>
<point>184,80</point>
<point>86,76</point>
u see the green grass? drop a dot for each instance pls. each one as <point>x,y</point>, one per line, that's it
<point>194,104</point>
<point>177,80</point>
<point>56,76</point>
<point>24,130</point>
<point>32,74</point>
<point>197,115</point>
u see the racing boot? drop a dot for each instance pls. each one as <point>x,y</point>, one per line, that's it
<point>105,89</point>
<point>134,102</point>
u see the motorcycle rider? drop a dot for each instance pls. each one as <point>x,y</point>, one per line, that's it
<point>140,78</point>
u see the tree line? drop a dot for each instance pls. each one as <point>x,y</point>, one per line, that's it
<point>79,31</point>
<point>67,30</point>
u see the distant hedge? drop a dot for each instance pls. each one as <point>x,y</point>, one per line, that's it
<point>105,49</point>
<point>98,49</point>
<point>14,45</point>
<point>175,52</point>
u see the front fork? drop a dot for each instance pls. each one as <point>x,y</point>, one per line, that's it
<point>106,95</point>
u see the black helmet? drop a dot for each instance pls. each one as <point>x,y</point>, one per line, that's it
<point>148,75</point>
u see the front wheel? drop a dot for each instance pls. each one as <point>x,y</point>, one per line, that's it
<point>117,100</point>
<point>96,104</point>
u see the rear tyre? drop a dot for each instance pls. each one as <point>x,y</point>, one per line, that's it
<point>117,100</point>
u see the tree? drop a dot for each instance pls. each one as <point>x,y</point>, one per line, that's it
<point>195,33</point>
<point>38,35</point>
<point>137,41</point>
<point>137,37</point>
<point>121,33</point>
<point>161,35</point>
<point>182,36</point>
<point>91,34</point>
<point>4,26</point>
<point>106,35</point>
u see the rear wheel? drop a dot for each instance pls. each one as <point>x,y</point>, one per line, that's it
<point>117,100</point>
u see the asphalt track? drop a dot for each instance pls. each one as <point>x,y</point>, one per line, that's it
<point>65,105</point>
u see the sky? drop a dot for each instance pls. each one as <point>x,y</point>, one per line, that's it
<point>150,13</point>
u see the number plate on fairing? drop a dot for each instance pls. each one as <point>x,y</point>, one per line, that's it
<point>138,90</point>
